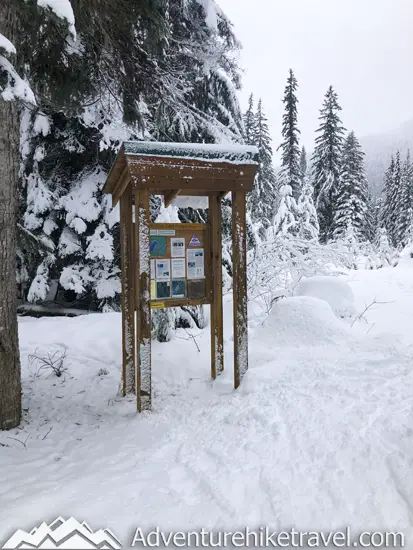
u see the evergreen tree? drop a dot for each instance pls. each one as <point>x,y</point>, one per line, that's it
<point>352,196</point>
<point>376,211</point>
<point>326,162</point>
<point>303,164</point>
<point>371,217</point>
<point>286,221</point>
<point>396,200</point>
<point>387,254</point>
<point>393,195</point>
<point>290,156</point>
<point>386,197</point>
<point>67,156</point>
<point>250,123</point>
<point>196,97</point>
<point>405,206</point>
<point>261,200</point>
<point>308,228</point>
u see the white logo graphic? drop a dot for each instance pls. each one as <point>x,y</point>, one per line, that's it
<point>65,534</point>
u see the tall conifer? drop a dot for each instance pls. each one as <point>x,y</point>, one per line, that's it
<point>352,195</point>
<point>261,203</point>
<point>290,151</point>
<point>326,162</point>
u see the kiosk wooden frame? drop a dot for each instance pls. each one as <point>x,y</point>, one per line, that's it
<point>172,170</point>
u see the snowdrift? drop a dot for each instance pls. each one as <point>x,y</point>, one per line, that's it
<point>334,291</point>
<point>302,321</point>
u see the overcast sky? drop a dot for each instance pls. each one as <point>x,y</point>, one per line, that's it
<point>364,48</point>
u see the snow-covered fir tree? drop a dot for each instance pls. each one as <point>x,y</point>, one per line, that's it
<point>286,220</point>
<point>261,201</point>
<point>392,199</point>
<point>65,208</point>
<point>66,156</point>
<point>371,216</point>
<point>376,214</point>
<point>326,162</point>
<point>396,200</point>
<point>308,227</point>
<point>249,119</point>
<point>303,164</point>
<point>386,197</point>
<point>351,195</point>
<point>290,151</point>
<point>387,254</point>
<point>405,206</point>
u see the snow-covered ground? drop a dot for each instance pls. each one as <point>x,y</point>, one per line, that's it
<point>319,436</point>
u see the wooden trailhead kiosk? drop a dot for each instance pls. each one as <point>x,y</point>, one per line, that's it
<point>168,265</point>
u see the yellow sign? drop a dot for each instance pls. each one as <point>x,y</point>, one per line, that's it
<point>157,305</point>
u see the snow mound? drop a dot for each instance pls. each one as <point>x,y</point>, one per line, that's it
<point>406,256</point>
<point>303,321</point>
<point>335,292</point>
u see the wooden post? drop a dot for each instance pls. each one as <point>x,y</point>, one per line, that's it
<point>144,396</point>
<point>137,305</point>
<point>128,309</point>
<point>217,327</point>
<point>239,269</point>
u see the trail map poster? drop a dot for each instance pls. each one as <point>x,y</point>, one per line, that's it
<point>180,264</point>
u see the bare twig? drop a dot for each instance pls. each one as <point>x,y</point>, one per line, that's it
<point>53,362</point>
<point>43,438</point>
<point>190,337</point>
<point>20,441</point>
<point>366,309</point>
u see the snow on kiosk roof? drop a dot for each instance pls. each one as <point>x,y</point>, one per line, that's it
<point>172,169</point>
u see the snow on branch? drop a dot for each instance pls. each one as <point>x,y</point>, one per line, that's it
<point>16,87</point>
<point>211,16</point>
<point>211,10</point>
<point>62,9</point>
<point>6,45</point>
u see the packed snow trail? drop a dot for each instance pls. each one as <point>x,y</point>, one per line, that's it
<point>319,436</point>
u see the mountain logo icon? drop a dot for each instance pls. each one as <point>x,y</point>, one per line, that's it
<point>64,534</point>
<point>194,241</point>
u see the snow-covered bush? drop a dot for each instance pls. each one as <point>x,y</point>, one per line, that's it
<point>276,266</point>
<point>406,255</point>
<point>388,256</point>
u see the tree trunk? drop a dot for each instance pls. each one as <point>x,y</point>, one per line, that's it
<point>10,384</point>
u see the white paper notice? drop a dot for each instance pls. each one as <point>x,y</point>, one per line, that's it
<point>178,248</point>
<point>195,263</point>
<point>153,271</point>
<point>178,268</point>
<point>163,270</point>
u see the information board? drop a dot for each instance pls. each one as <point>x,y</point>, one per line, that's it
<point>180,264</point>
